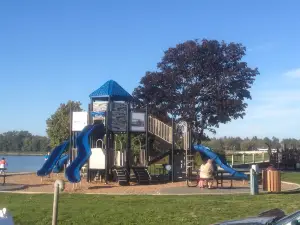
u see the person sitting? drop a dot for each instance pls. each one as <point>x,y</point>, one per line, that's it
<point>206,174</point>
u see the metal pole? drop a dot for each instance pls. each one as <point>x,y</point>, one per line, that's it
<point>173,146</point>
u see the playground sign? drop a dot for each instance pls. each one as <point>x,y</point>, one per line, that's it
<point>99,110</point>
<point>79,121</point>
<point>118,117</point>
<point>138,122</point>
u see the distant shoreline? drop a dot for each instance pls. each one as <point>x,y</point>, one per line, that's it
<point>23,153</point>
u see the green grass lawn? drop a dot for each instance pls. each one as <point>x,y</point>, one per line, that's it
<point>101,209</point>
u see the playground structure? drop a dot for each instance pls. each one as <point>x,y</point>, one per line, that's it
<point>92,146</point>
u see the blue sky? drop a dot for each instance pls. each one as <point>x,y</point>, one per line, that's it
<point>53,51</point>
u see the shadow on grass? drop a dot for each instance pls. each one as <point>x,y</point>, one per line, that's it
<point>297,191</point>
<point>291,192</point>
<point>99,187</point>
<point>36,185</point>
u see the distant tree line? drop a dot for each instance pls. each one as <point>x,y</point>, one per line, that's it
<point>23,141</point>
<point>249,144</point>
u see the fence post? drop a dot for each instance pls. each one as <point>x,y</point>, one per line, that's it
<point>243,158</point>
<point>232,159</point>
<point>59,186</point>
<point>263,157</point>
<point>253,158</point>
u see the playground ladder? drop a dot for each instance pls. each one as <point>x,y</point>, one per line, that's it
<point>190,161</point>
<point>160,129</point>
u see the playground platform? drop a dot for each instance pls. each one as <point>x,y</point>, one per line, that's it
<point>30,183</point>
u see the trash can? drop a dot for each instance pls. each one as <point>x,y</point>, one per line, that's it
<point>264,177</point>
<point>273,180</point>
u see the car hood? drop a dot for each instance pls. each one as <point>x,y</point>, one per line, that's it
<point>251,221</point>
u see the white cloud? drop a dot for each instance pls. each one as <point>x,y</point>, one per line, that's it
<point>270,113</point>
<point>294,73</point>
<point>278,104</point>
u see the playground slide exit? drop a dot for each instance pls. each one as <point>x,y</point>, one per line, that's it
<point>61,162</point>
<point>53,158</point>
<point>83,152</point>
<point>209,153</point>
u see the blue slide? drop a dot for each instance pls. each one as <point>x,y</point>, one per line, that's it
<point>209,153</point>
<point>53,158</point>
<point>61,162</point>
<point>83,152</point>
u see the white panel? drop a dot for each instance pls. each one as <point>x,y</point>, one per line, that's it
<point>79,121</point>
<point>97,159</point>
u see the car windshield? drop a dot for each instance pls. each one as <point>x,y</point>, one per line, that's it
<point>292,219</point>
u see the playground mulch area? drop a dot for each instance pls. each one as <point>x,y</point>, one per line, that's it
<point>33,183</point>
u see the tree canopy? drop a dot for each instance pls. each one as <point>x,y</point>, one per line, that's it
<point>58,125</point>
<point>23,141</point>
<point>204,83</point>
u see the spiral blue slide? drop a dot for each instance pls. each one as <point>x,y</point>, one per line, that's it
<point>83,152</point>
<point>209,153</point>
<point>53,158</point>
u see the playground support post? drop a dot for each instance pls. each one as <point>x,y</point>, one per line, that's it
<point>90,109</point>
<point>128,144</point>
<point>188,151</point>
<point>107,141</point>
<point>147,136</point>
<point>173,146</point>
<point>70,131</point>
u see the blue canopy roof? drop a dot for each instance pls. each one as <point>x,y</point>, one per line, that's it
<point>111,89</point>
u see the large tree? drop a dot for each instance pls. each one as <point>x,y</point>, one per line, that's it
<point>58,125</point>
<point>202,82</point>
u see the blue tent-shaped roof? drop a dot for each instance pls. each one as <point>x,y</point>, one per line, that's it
<point>111,89</point>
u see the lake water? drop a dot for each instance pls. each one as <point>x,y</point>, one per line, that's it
<point>23,163</point>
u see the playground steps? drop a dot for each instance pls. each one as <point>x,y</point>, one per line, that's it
<point>160,129</point>
<point>121,175</point>
<point>142,175</point>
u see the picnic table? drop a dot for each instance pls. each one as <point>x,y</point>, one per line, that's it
<point>3,174</point>
<point>222,175</point>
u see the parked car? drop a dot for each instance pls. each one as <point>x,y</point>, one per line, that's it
<point>270,217</point>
